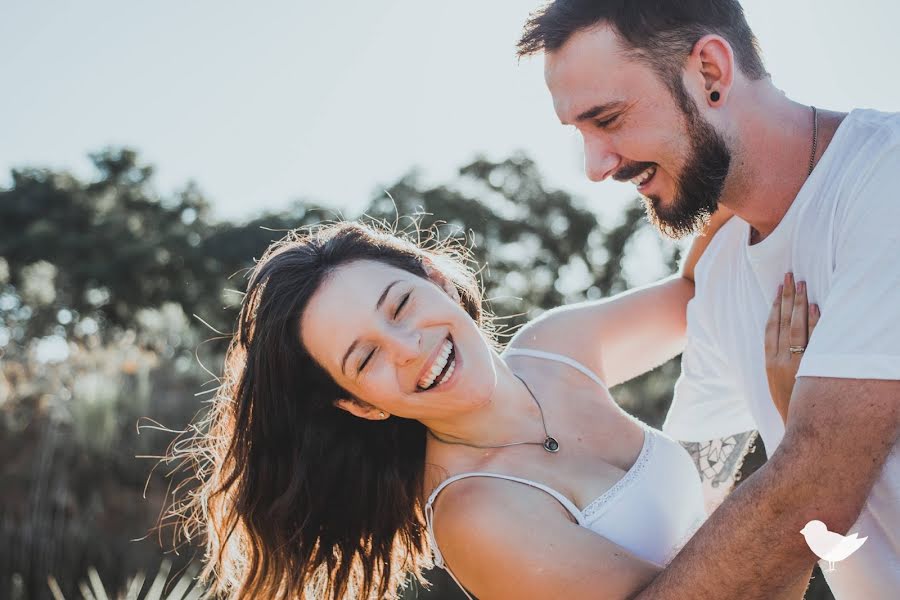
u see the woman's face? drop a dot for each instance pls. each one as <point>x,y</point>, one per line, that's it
<point>382,332</point>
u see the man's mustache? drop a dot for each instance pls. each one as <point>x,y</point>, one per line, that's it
<point>629,172</point>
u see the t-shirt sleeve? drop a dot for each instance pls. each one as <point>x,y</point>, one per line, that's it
<point>858,334</point>
<point>708,403</point>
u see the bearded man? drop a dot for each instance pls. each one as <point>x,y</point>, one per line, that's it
<point>674,97</point>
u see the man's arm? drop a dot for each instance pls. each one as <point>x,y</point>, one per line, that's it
<point>839,434</point>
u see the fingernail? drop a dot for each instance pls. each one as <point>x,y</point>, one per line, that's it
<point>780,290</point>
<point>801,287</point>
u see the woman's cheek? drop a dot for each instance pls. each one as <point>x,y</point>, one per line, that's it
<point>384,383</point>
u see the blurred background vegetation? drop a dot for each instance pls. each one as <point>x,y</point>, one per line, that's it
<point>110,298</point>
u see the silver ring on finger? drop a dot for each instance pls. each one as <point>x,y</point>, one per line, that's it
<point>797,349</point>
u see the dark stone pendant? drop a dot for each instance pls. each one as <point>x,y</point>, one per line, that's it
<point>551,445</point>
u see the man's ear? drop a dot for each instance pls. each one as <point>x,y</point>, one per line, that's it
<point>361,409</point>
<point>435,275</point>
<point>712,59</point>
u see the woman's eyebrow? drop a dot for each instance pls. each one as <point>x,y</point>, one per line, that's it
<point>378,304</point>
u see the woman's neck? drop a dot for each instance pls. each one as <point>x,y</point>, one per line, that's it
<point>509,416</point>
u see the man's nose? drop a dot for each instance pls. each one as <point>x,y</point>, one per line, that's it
<point>600,161</point>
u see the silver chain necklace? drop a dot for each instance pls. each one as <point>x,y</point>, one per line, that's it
<point>812,160</point>
<point>815,144</point>
<point>549,444</point>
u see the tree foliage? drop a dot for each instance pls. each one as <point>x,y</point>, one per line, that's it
<point>87,257</point>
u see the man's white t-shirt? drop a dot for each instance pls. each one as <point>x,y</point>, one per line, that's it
<point>842,236</point>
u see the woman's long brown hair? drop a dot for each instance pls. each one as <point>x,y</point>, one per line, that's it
<point>293,497</point>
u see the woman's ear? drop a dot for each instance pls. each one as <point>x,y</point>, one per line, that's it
<point>435,275</point>
<point>361,409</point>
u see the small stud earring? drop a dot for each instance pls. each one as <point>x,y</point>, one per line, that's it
<point>714,96</point>
<point>382,415</point>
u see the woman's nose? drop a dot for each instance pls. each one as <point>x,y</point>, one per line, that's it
<point>407,345</point>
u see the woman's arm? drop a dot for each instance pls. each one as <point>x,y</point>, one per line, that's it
<point>504,540</point>
<point>628,334</point>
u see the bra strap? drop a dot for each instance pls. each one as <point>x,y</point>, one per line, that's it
<point>568,504</point>
<point>429,512</point>
<point>555,357</point>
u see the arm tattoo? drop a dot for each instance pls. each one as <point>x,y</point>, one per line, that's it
<point>718,461</point>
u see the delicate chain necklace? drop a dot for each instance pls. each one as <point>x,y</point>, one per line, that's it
<point>815,143</point>
<point>812,160</point>
<point>549,444</point>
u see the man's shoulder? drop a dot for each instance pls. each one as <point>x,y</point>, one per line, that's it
<point>874,119</point>
<point>865,167</point>
<point>869,135</point>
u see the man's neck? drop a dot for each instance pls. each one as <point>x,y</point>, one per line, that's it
<point>772,145</point>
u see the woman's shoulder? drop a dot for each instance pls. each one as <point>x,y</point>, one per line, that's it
<point>545,336</point>
<point>546,348</point>
<point>536,333</point>
<point>498,538</point>
<point>490,506</point>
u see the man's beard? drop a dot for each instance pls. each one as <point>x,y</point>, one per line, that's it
<point>700,183</point>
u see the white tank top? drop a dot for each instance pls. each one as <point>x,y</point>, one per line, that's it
<point>651,511</point>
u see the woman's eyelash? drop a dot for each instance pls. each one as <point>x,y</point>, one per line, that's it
<point>606,122</point>
<point>362,365</point>
<point>402,304</point>
<point>396,313</point>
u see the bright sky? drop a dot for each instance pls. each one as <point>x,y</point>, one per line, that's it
<point>262,103</point>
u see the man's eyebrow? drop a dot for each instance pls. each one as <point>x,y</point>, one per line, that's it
<point>378,304</point>
<point>599,109</point>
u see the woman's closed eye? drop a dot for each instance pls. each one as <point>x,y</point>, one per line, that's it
<point>402,304</point>
<point>397,312</point>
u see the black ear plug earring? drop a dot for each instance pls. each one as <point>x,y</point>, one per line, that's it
<point>714,96</point>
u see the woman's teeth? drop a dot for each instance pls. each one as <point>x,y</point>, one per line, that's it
<point>440,362</point>
<point>644,177</point>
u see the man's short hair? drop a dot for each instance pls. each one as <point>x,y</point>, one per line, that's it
<point>660,33</point>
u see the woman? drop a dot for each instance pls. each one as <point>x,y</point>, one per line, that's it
<point>366,417</point>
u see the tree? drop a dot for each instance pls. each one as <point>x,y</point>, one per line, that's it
<point>87,257</point>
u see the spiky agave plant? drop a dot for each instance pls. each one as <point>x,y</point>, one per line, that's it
<point>185,587</point>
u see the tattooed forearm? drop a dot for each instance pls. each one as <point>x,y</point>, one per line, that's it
<point>718,462</point>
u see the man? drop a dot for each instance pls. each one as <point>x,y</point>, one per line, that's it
<point>674,97</point>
